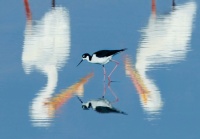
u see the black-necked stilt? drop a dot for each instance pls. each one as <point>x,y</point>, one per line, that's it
<point>102,57</point>
<point>100,105</point>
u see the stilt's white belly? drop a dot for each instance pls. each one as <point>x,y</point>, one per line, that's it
<point>101,60</point>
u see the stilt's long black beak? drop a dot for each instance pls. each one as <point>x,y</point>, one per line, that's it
<point>80,62</point>
<point>79,99</point>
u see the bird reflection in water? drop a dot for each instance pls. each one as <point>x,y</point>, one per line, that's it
<point>150,97</point>
<point>46,49</point>
<point>56,102</point>
<point>100,105</point>
<point>165,40</point>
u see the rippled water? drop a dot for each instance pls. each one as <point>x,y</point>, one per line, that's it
<point>156,81</point>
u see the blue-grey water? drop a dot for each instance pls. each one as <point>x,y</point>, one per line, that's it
<point>157,80</point>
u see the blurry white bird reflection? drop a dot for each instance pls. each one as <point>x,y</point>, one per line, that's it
<point>46,49</point>
<point>165,40</point>
<point>150,97</point>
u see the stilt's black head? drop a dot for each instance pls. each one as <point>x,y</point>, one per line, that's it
<point>85,56</point>
<point>86,106</point>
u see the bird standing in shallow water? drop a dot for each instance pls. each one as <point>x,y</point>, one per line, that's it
<point>102,57</point>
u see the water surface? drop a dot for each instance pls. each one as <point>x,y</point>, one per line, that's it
<point>157,80</point>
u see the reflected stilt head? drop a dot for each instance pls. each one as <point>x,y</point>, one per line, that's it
<point>86,106</point>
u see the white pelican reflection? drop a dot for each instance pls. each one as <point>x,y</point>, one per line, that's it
<point>149,94</point>
<point>165,40</point>
<point>46,49</point>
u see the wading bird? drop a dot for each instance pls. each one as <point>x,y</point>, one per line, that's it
<point>102,57</point>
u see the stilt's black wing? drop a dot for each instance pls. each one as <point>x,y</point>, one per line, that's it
<point>106,53</point>
<point>102,109</point>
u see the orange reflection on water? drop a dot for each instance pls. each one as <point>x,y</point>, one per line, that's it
<point>136,79</point>
<point>150,96</point>
<point>76,89</point>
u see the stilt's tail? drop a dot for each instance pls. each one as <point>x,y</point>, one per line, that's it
<point>123,113</point>
<point>123,49</point>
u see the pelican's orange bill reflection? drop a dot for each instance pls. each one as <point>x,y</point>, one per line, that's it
<point>56,102</point>
<point>136,79</point>
<point>149,94</point>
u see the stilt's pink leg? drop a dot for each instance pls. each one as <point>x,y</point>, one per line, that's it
<point>104,79</point>
<point>104,89</point>
<point>104,73</point>
<point>117,63</point>
<point>116,98</point>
